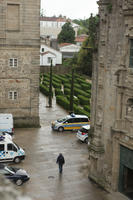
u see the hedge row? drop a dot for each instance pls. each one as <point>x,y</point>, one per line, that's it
<point>44,90</point>
<point>86,86</point>
<point>81,92</point>
<point>87,108</point>
<point>81,111</point>
<point>63,101</point>
<point>56,85</point>
<point>83,100</point>
<point>58,92</point>
<point>75,99</point>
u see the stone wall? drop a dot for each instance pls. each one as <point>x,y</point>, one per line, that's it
<point>20,40</point>
<point>58,69</point>
<point>112,80</point>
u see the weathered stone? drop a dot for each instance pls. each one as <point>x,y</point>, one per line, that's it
<point>112,93</point>
<point>20,39</point>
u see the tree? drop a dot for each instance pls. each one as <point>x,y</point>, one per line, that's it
<point>86,53</point>
<point>42,13</point>
<point>67,34</point>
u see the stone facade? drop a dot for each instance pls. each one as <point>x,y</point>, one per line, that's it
<point>112,98</point>
<point>19,60</point>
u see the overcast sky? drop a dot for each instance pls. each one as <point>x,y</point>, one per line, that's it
<point>74,9</point>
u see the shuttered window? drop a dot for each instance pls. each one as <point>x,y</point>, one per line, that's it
<point>13,20</point>
<point>131,54</point>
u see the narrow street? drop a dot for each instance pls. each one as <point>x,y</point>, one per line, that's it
<point>42,147</point>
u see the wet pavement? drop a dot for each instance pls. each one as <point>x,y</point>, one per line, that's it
<point>42,147</point>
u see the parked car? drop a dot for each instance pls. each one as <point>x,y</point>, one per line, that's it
<point>6,135</point>
<point>15,175</point>
<point>6,123</point>
<point>82,134</point>
<point>70,122</point>
<point>10,151</point>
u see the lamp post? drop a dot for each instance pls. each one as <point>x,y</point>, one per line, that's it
<point>50,85</point>
<point>72,91</point>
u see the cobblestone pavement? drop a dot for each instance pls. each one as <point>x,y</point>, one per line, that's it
<point>42,147</point>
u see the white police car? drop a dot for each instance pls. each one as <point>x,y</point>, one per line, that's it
<point>70,122</point>
<point>82,134</point>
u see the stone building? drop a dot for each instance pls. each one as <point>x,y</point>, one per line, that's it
<point>111,150</point>
<point>19,60</point>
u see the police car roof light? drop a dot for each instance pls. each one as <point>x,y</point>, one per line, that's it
<point>2,138</point>
<point>72,115</point>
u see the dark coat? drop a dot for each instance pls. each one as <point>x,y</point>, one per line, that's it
<point>60,159</point>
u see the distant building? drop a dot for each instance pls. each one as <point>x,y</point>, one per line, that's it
<point>47,53</point>
<point>51,26</point>
<point>68,50</point>
<point>19,60</point>
<point>80,39</point>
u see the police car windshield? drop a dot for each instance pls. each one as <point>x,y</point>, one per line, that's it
<point>17,145</point>
<point>62,120</point>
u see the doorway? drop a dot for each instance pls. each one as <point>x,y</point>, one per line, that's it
<point>126,172</point>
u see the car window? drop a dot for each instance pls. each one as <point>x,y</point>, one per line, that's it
<point>1,147</point>
<point>72,120</point>
<point>11,147</point>
<point>77,120</point>
<point>84,119</point>
<point>62,120</point>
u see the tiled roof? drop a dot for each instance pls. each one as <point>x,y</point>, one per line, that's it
<point>81,38</point>
<point>65,44</point>
<point>56,19</point>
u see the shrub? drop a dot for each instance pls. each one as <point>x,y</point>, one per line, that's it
<point>44,90</point>
<point>63,101</point>
<point>56,85</point>
<point>58,92</point>
<point>67,85</point>
<point>81,92</point>
<point>86,86</point>
<point>78,86</point>
<point>87,108</point>
<point>83,100</point>
<point>75,99</point>
<point>81,111</point>
<point>56,80</point>
<point>81,80</point>
<point>66,91</point>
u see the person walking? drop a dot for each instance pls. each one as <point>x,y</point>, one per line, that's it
<point>60,161</point>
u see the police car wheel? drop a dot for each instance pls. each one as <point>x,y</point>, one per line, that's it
<point>19,182</point>
<point>17,160</point>
<point>60,129</point>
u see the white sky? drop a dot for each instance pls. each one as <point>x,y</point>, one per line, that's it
<point>73,9</point>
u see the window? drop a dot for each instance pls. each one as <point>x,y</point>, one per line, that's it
<point>11,147</point>
<point>84,120</point>
<point>1,147</point>
<point>13,95</point>
<point>71,120</point>
<point>13,20</point>
<point>131,54</point>
<point>13,62</point>
<point>49,59</point>
<point>42,49</point>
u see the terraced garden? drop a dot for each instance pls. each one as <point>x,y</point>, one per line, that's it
<point>62,88</point>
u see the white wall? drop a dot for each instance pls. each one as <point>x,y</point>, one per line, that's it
<point>57,53</point>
